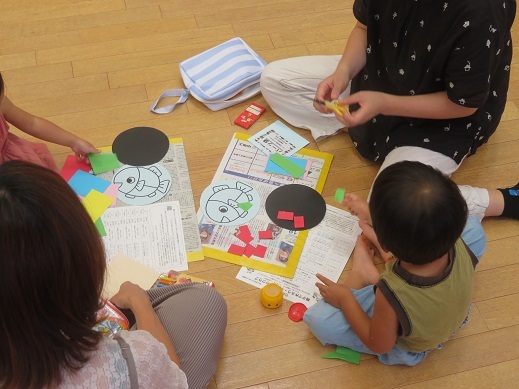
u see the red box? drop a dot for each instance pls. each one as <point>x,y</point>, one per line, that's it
<point>249,116</point>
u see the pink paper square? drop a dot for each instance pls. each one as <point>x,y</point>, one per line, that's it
<point>249,250</point>
<point>266,234</point>
<point>236,250</point>
<point>260,251</point>
<point>299,222</point>
<point>284,215</point>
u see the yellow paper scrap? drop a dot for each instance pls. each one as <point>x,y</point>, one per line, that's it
<point>96,203</point>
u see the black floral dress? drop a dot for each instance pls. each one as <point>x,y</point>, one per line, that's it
<point>417,47</point>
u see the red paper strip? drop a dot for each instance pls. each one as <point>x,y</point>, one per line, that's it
<point>299,222</point>
<point>249,250</point>
<point>260,251</point>
<point>244,230</point>
<point>283,215</point>
<point>245,238</point>
<point>266,234</point>
<point>236,250</point>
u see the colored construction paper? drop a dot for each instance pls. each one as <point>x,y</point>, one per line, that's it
<point>339,195</point>
<point>245,230</point>
<point>236,250</point>
<point>141,146</point>
<point>345,354</point>
<point>245,206</point>
<point>271,167</point>
<point>266,234</point>
<point>249,250</point>
<point>100,227</point>
<point>112,191</point>
<point>286,164</point>
<point>260,251</point>
<point>96,204</point>
<point>300,200</point>
<point>103,162</point>
<point>83,183</point>
<point>72,165</point>
<point>299,222</point>
<point>283,215</point>
<point>244,237</point>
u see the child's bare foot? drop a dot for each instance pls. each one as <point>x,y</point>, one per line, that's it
<point>369,233</point>
<point>357,206</point>
<point>364,271</point>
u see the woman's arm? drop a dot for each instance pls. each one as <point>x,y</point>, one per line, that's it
<point>352,61</point>
<point>379,332</point>
<point>133,297</point>
<point>429,106</point>
<point>43,129</point>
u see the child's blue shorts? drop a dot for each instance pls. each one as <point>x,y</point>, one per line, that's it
<point>329,325</point>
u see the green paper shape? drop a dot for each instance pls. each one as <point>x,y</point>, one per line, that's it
<point>290,167</point>
<point>339,194</point>
<point>100,227</point>
<point>103,162</point>
<point>245,206</point>
<point>344,354</point>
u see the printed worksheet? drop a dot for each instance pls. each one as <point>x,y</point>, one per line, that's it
<point>150,234</point>
<point>245,163</point>
<point>327,250</point>
<point>175,163</point>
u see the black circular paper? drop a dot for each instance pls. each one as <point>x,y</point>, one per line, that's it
<point>140,146</point>
<point>301,200</point>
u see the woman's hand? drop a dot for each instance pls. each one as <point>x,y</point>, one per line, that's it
<point>371,104</point>
<point>330,89</point>
<point>130,296</point>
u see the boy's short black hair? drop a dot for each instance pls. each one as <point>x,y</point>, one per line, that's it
<point>418,213</point>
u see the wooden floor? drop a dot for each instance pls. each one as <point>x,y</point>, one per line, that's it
<point>94,66</point>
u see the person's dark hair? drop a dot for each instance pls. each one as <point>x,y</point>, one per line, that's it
<point>418,213</point>
<point>1,85</point>
<point>52,270</point>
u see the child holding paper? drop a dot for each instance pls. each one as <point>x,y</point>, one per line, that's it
<point>52,273</point>
<point>424,294</point>
<point>15,148</point>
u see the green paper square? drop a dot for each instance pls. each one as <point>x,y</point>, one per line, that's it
<point>245,206</point>
<point>339,194</point>
<point>344,354</point>
<point>290,167</point>
<point>103,162</point>
<point>100,227</point>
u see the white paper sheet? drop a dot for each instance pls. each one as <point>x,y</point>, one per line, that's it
<point>327,250</point>
<point>151,234</point>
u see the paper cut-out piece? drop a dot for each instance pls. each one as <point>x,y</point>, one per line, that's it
<point>299,199</point>
<point>287,165</point>
<point>96,204</point>
<point>273,168</point>
<point>140,146</point>
<point>244,230</point>
<point>219,202</point>
<point>283,215</point>
<point>266,234</point>
<point>245,206</point>
<point>112,191</point>
<point>103,162</point>
<point>236,250</point>
<point>339,194</point>
<point>72,165</point>
<point>142,185</point>
<point>249,250</point>
<point>245,238</point>
<point>260,251</point>
<point>345,354</point>
<point>83,183</point>
<point>299,222</point>
<point>100,227</point>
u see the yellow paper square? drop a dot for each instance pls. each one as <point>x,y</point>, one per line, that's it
<point>96,203</point>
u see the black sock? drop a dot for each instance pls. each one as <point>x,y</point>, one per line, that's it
<point>511,196</point>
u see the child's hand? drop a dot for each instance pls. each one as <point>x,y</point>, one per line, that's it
<point>332,292</point>
<point>330,89</point>
<point>81,148</point>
